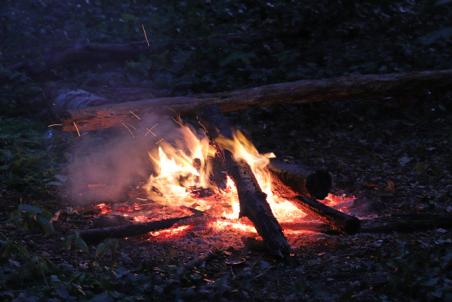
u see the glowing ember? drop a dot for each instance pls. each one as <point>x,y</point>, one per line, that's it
<point>233,224</point>
<point>342,202</point>
<point>184,165</point>
<point>103,208</point>
<point>171,233</point>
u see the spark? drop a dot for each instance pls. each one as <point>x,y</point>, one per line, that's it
<point>145,35</point>
<point>149,130</point>
<point>135,115</point>
<point>76,128</point>
<point>54,125</point>
<point>128,129</point>
<point>178,120</point>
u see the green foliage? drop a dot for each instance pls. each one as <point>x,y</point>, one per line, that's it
<point>17,92</point>
<point>26,165</point>
<point>109,246</point>
<point>19,265</point>
<point>75,242</point>
<point>31,217</point>
<point>10,249</point>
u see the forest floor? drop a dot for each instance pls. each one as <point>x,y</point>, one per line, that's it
<point>393,155</point>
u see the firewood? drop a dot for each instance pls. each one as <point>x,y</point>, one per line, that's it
<point>304,91</point>
<point>406,223</point>
<point>133,229</point>
<point>403,223</point>
<point>253,203</point>
<point>301,179</point>
<point>338,220</point>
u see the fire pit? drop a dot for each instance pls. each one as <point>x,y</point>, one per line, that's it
<point>217,180</point>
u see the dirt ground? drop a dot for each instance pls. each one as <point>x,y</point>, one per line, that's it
<point>393,154</point>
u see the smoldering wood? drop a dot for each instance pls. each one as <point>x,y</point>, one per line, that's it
<point>218,175</point>
<point>134,229</point>
<point>371,86</point>
<point>302,179</point>
<point>253,203</point>
<point>338,220</point>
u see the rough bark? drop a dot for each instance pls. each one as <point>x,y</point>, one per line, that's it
<point>304,91</point>
<point>253,203</point>
<point>301,179</point>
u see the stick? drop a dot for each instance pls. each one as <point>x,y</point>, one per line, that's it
<point>405,223</point>
<point>135,229</point>
<point>304,91</point>
<point>339,221</point>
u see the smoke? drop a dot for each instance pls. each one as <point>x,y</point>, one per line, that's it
<point>104,167</point>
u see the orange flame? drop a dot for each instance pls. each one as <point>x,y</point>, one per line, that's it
<point>183,166</point>
<point>171,233</point>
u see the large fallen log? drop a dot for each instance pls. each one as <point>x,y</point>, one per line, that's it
<point>82,55</point>
<point>133,229</point>
<point>253,203</point>
<point>301,179</point>
<point>304,91</point>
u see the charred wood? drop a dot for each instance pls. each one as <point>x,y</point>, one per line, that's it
<point>339,221</point>
<point>406,223</point>
<point>134,229</point>
<point>253,203</point>
<point>301,179</point>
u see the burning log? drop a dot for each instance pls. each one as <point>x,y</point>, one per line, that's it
<point>304,91</point>
<point>339,221</point>
<point>301,179</point>
<point>253,203</point>
<point>134,229</point>
<point>291,183</point>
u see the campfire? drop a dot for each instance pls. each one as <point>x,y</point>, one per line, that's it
<point>217,178</point>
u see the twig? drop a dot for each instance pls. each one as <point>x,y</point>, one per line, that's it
<point>128,129</point>
<point>149,130</point>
